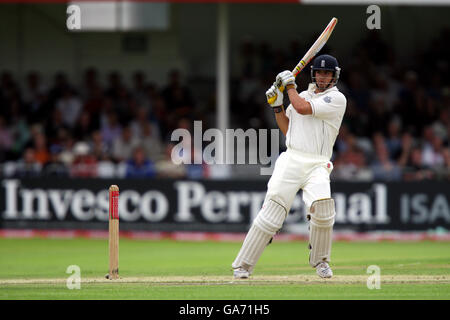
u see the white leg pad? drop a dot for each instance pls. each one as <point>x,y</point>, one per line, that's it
<point>321,218</point>
<point>268,221</point>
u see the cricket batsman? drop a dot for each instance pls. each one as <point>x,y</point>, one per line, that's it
<point>311,124</point>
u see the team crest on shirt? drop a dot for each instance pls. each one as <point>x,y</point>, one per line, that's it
<point>327,99</point>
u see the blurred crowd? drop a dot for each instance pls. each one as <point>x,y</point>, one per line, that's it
<point>91,130</point>
<point>396,125</point>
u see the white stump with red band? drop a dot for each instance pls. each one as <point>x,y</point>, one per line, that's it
<point>113,232</point>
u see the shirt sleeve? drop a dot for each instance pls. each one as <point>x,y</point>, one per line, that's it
<point>288,111</point>
<point>329,106</point>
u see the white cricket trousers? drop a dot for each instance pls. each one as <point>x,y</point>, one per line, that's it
<point>295,170</point>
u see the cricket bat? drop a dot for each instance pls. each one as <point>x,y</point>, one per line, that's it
<point>315,48</point>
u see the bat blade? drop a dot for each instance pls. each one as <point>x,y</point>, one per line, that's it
<point>315,48</point>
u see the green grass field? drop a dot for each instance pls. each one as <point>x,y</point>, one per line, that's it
<point>36,269</point>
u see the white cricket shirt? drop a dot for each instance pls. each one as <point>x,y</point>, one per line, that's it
<point>317,132</point>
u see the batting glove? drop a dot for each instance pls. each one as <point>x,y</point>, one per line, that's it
<point>274,96</point>
<point>286,78</point>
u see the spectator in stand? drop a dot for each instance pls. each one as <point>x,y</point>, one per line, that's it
<point>63,140</point>
<point>85,126</point>
<point>6,140</point>
<point>9,90</point>
<point>141,119</point>
<point>168,168</point>
<point>90,83</point>
<point>445,173</point>
<point>196,170</point>
<point>139,88</point>
<point>111,130</point>
<point>147,97</point>
<point>114,85</point>
<point>61,84</point>
<point>125,105</point>
<point>70,106</point>
<point>139,166</point>
<point>341,140</point>
<point>63,145</point>
<point>56,167</point>
<point>358,91</point>
<point>441,126</point>
<point>35,98</point>
<point>431,148</point>
<point>406,148</point>
<point>94,102</point>
<point>28,166</point>
<point>432,154</point>
<point>383,167</point>
<point>41,153</point>
<point>377,116</point>
<point>378,141</point>
<point>415,169</point>
<point>20,129</point>
<point>118,97</point>
<point>428,110</point>
<point>408,99</point>
<point>354,120</point>
<point>178,97</point>
<point>124,146</point>
<point>160,114</point>
<point>151,143</point>
<point>386,89</point>
<point>54,125</point>
<point>107,108</point>
<point>106,167</point>
<point>394,140</point>
<point>100,150</point>
<point>84,164</point>
<point>349,163</point>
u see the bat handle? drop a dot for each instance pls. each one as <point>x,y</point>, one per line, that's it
<point>295,72</point>
<point>298,68</point>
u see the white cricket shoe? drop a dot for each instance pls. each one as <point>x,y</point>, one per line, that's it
<point>323,270</point>
<point>241,273</point>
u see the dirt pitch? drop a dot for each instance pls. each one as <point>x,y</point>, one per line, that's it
<point>254,280</point>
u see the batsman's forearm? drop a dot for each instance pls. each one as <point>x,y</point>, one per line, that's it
<point>298,103</point>
<point>282,121</point>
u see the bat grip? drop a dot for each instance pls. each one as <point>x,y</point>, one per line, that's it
<point>272,100</point>
<point>281,87</point>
